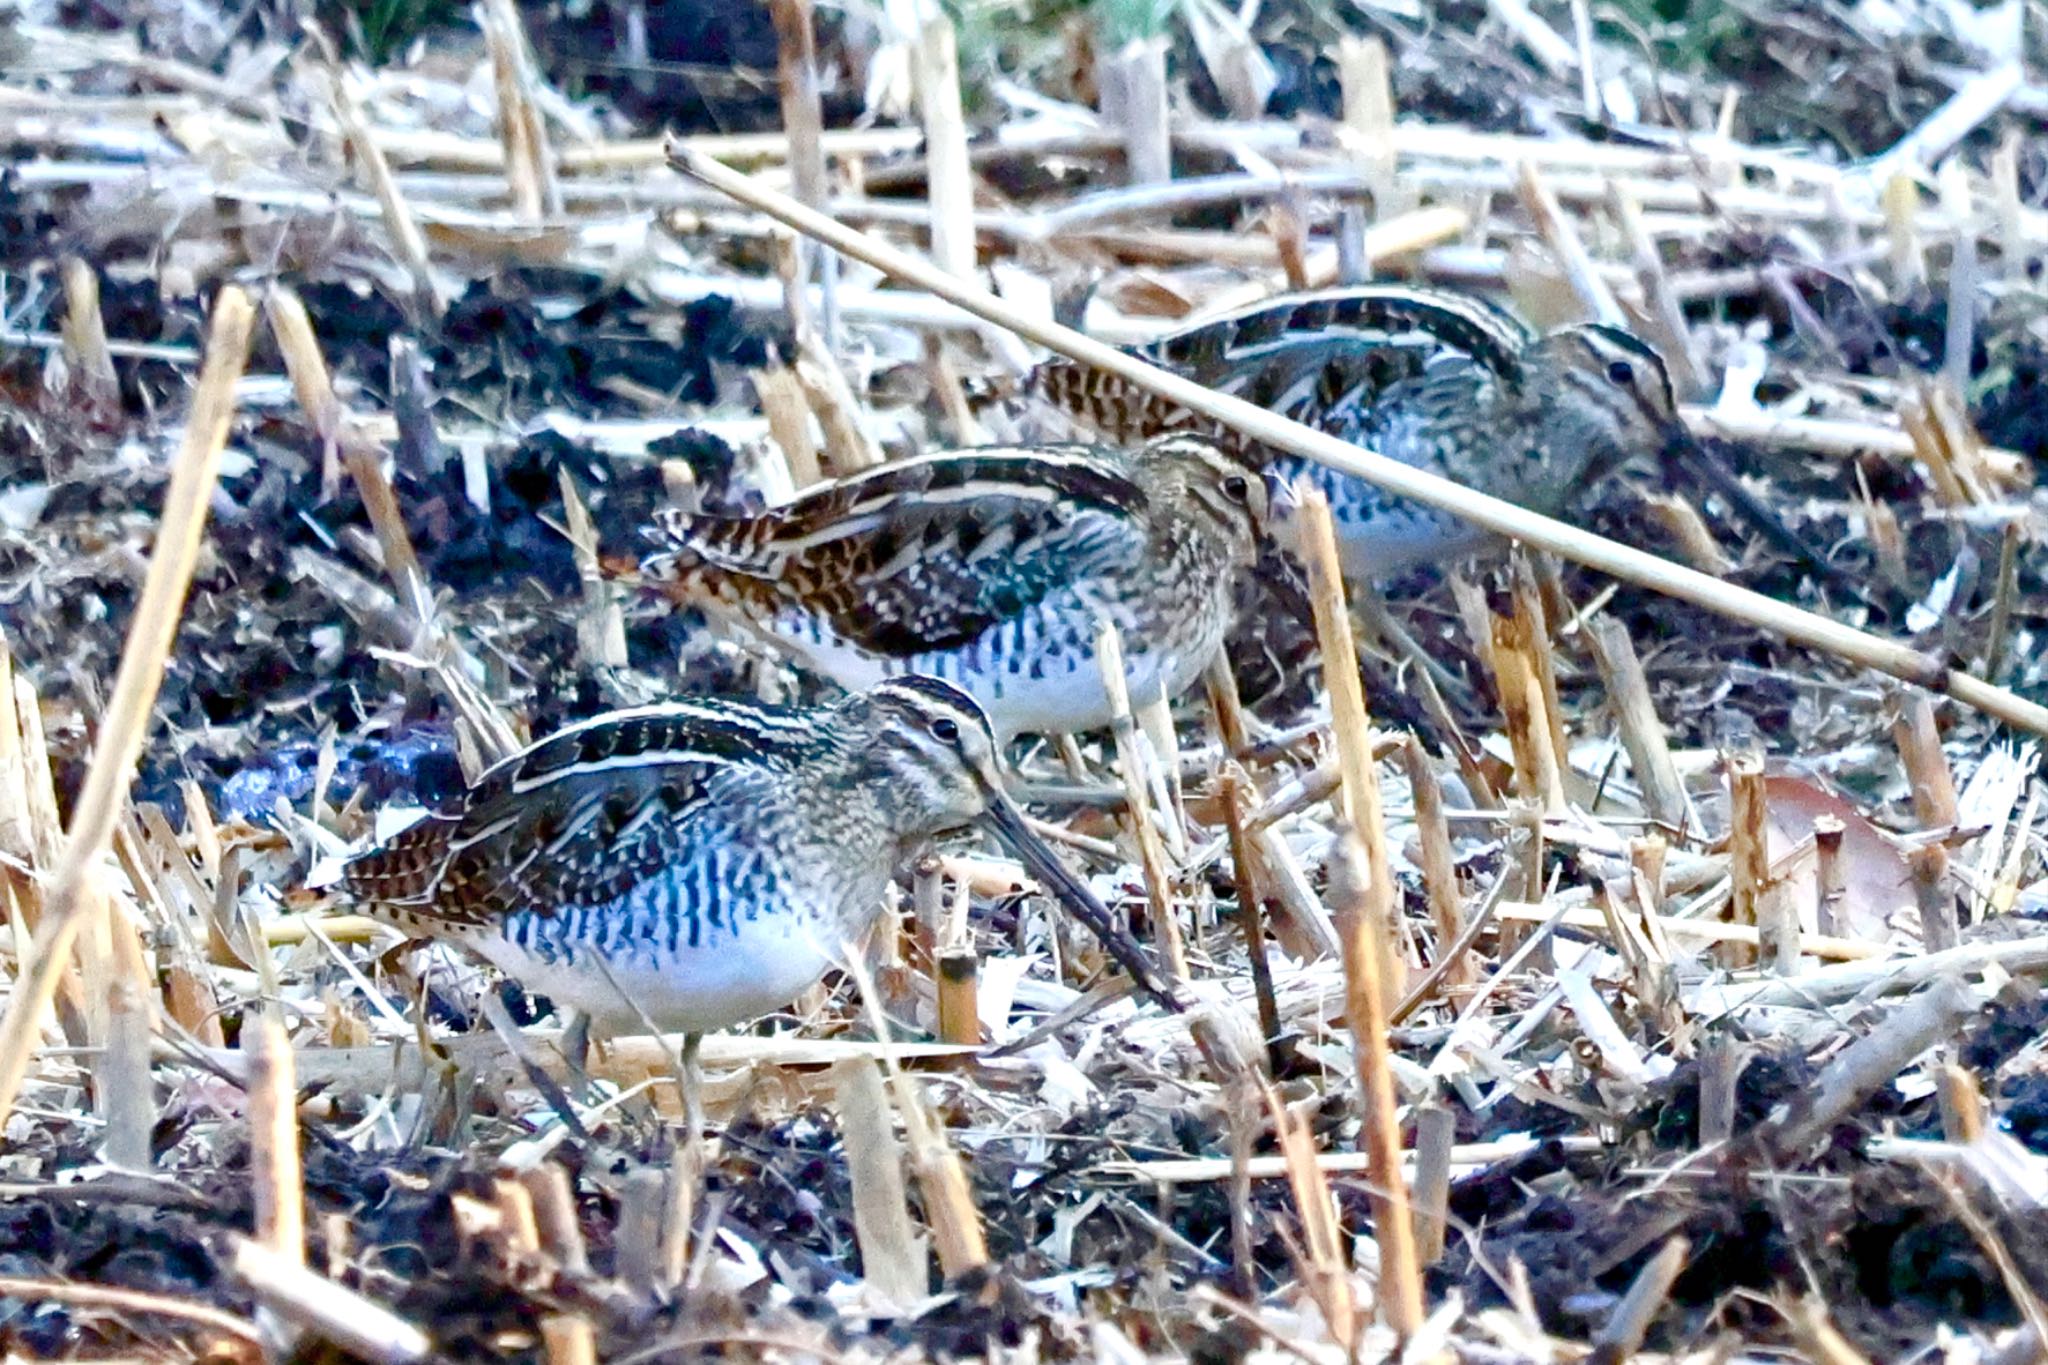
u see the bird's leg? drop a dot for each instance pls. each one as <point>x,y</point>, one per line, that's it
<point>693,1089</point>
<point>575,1043</point>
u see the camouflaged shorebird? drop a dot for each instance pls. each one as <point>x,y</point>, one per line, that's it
<point>703,862</point>
<point>990,568</point>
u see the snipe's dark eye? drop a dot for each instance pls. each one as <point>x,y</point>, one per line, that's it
<point>1237,488</point>
<point>1621,372</point>
<point>946,729</point>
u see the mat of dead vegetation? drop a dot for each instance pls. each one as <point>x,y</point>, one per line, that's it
<point>1713,1023</point>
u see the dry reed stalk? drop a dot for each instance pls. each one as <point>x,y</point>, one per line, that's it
<point>121,1076</point>
<point>1830,883</point>
<point>1621,1336</point>
<point>1367,90</point>
<point>1132,83</point>
<point>311,382</point>
<point>803,119</point>
<point>1902,231</point>
<point>1931,1017</point>
<point>1538,774</point>
<point>1936,897</point>
<point>1131,765</point>
<point>959,983</point>
<point>1251,913</point>
<point>949,177</point>
<point>1561,235</point>
<point>1348,717</point>
<point>1503,518</point>
<point>1323,1271</point>
<point>1436,1136</point>
<point>1534,630</point>
<point>1962,1104</point>
<point>408,243</point>
<point>1947,464</point>
<point>2004,597</point>
<point>1919,745</point>
<point>789,423</point>
<point>318,1305</point>
<point>136,1302</point>
<point>892,1256</point>
<point>601,626</point>
<point>1688,530</point>
<point>93,376</point>
<point>1666,319</point>
<point>1820,1341</point>
<point>1439,869</point>
<point>529,158</point>
<point>568,1339</point>
<point>129,705</point>
<point>1369,958</point>
<point>2006,202</point>
<point>553,1196</point>
<point>1635,715</point>
<point>1749,868</point>
<point>274,1174</point>
<point>948,1201</point>
<point>849,448</point>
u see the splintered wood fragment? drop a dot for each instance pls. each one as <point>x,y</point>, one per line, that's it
<point>1749,868</point>
<point>131,702</point>
<point>1642,732</point>
<point>85,341</point>
<point>1936,897</point>
<point>1625,1329</point>
<point>325,1308</point>
<point>1534,632</point>
<point>1367,91</point>
<point>959,971</point>
<point>1931,1017</point>
<point>637,1239</point>
<point>1919,744</point>
<point>803,120</point>
<point>892,1255</point>
<point>2005,597</point>
<point>949,177</point>
<point>1439,869</point>
<point>948,1200</point>
<point>1368,964</point>
<point>1131,766</point>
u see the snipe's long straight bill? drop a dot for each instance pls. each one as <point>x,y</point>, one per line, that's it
<point>1007,823</point>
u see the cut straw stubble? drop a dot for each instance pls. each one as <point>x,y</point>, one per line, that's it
<point>132,701</point>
